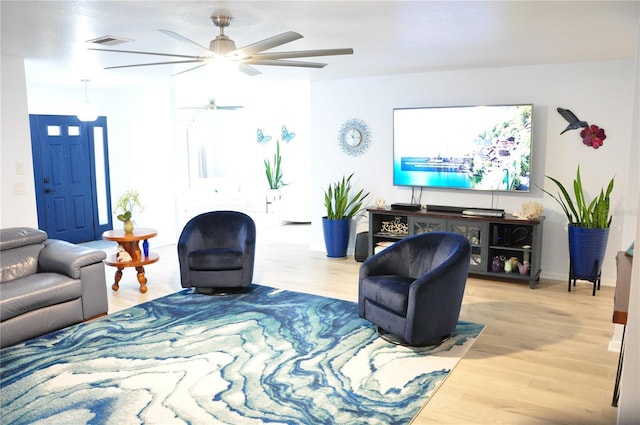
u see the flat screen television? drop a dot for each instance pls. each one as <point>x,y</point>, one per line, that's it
<point>463,147</point>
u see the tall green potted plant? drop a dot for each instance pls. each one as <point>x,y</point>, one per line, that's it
<point>342,203</point>
<point>589,223</point>
<point>274,170</point>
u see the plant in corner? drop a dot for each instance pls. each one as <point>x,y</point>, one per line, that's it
<point>125,205</point>
<point>342,203</point>
<point>588,228</point>
<point>580,213</point>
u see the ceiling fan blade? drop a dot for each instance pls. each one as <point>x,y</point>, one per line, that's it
<point>301,54</point>
<point>190,69</point>
<point>146,53</point>
<point>184,40</point>
<point>288,63</point>
<point>230,108</point>
<point>266,44</point>
<point>249,70</point>
<point>152,63</point>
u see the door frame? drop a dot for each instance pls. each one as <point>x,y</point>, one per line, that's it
<point>87,129</point>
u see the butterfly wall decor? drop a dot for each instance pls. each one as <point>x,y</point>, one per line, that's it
<point>262,138</point>
<point>286,135</point>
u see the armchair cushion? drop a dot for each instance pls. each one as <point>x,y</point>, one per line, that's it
<point>390,291</point>
<point>37,291</point>
<point>216,259</point>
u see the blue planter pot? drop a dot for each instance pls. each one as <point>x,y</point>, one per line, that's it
<point>586,251</point>
<point>336,236</point>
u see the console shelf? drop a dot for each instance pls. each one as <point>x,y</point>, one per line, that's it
<point>505,238</point>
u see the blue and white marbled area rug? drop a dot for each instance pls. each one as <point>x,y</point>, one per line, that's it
<point>267,356</point>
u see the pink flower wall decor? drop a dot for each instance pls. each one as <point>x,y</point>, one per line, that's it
<point>593,136</point>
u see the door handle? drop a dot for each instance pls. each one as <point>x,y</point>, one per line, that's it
<point>49,191</point>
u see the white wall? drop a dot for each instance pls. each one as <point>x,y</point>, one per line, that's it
<point>629,403</point>
<point>599,92</point>
<point>17,194</point>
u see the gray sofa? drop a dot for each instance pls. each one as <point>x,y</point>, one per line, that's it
<point>46,284</point>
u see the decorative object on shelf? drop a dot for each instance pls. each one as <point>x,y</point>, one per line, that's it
<point>529,210</point>
<point>145,247</point>
<point>588,229</point>
<point>592,135</point>
<point>395,227</point>
<point>122,255</point>
<point>379,202</point>
<point>125,205</point>
<point>287,136</point>
<point>342,203</point>
<point>354,137</point>
<point>274,171</point>
<point>523,268</point>
<point>128,226</point>
<point>629,250</point>
<point>526,255</point>
<point>514,263</point>
<point>262,138</point>
<point>497,264</point>
<point>507,266</point>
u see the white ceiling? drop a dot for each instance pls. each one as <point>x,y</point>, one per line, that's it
<point>389,37</point>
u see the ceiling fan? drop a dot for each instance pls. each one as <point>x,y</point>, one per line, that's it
<point>213,106</point>
<point>252,54</point>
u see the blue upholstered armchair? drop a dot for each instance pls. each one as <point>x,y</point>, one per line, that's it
<point>216,252</point>
<point>413,290</point>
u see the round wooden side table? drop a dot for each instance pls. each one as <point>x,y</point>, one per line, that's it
<point>130,243</point>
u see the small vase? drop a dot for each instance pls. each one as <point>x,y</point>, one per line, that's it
<point>507,266</point>
<point>497,264</point>
<point>128,226</point>
<point>145,247</point>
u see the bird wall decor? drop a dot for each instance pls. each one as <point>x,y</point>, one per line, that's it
<point>574,122</point>
<point>591,135</point>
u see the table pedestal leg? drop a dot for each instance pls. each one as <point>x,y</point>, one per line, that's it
<point>142,279</point>
<point>117,278</point>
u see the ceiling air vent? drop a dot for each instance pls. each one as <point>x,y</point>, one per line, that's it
<point>109,40</point>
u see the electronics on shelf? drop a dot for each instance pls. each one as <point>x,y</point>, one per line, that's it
<point>405,207</point>
<point>446,208</point>
<point>483,212</point>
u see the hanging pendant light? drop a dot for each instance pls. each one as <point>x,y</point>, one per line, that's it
<point>88,111</point>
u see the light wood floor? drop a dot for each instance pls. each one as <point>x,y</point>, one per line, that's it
<point>542,358</point>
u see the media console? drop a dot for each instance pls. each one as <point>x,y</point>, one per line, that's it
<point>492,237</point>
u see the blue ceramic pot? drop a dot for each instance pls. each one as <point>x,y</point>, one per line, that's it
<point>586,251</point>
<point>336,236</point>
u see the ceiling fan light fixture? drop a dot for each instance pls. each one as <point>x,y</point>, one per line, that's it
<point>88,111</point>
<point>220,67</point>
<point>222,45</point>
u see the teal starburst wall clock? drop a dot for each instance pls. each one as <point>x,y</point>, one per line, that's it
<point>354,137</point>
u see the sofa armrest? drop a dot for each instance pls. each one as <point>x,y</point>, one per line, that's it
<point>67,258</point>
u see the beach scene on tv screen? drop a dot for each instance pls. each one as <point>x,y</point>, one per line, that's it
<point>479,147</point>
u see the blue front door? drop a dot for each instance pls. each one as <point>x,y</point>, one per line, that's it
<point>64,159</point>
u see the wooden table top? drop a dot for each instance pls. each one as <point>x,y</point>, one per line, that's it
<point>138,234</point>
